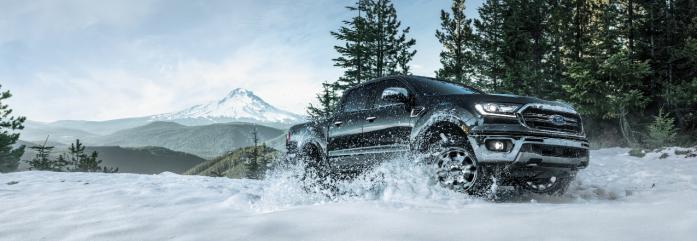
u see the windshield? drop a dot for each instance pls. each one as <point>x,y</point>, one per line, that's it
<point>438,87</point>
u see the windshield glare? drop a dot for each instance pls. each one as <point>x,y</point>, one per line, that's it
<point>437,87</point>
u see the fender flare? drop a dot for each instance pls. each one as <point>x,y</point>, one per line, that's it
<point>453,116</point>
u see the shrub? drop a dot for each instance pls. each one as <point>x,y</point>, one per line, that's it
<point>661,132</point>
<point>637,152</point>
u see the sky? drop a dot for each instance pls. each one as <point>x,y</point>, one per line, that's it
<point>101,60</point>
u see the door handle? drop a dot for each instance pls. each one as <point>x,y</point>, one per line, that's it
<point>371,118</point>
<point>338,123</point>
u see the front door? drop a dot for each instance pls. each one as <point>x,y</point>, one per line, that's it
<point>388,124</point>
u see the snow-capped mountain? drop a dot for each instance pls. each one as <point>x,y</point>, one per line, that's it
<point>239,105</point>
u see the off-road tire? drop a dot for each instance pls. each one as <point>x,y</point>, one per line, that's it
<point>457,145</point>
<point>545,186</point>
<point>316,175</point>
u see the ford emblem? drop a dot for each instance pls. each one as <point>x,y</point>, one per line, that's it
<point>557,120</point>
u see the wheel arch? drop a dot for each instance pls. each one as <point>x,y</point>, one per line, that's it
<point>431,133</point>
<point>312,146</point>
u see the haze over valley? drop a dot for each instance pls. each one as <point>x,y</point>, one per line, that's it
<point>200,132</point>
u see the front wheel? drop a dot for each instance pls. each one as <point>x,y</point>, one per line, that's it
<point>457,168</point>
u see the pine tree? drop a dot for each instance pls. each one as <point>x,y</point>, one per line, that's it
<point>488,50</point>
<point>89,163</point>
<point>253,162</point>
<point>42,159</point>
<point>457,57</point>
<point>665,36</point>
<point>606,81</point>
<point>404,54</point>
<point>523,47</point>
<point>77,154</point>
<point>9,127</point>
<point>526,48</point>
<point>83,162</point>
<point>617,61</point>
<point>61,163</point>
<point>387,42</point>
<point>375,45</point>
<point>662,131</point>
<point>353,53</point>
<point>328,99</point>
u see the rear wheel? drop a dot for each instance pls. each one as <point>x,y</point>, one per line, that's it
<point>316,176</point>
<point>553,185</point>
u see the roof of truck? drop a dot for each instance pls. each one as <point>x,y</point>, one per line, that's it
<point>410,78</point>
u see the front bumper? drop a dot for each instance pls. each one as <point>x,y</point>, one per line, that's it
<point>533,151</point>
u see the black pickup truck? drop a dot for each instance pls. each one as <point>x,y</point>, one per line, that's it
<point>469,137</point>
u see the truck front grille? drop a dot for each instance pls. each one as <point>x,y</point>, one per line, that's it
<point>551,120</point>
<point>555,151</point>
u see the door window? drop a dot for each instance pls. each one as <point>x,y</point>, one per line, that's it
<point>378,101</point>
<point>356,100</point>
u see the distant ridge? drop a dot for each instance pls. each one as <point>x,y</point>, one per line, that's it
<point>239,105</point>
<point>205,141</point>
<point>143,160</point>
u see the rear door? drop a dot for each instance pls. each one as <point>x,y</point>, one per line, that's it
<point>346,127</point>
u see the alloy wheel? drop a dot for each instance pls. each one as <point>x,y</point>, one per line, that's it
<point>542,185</point>
<point>456,169</point>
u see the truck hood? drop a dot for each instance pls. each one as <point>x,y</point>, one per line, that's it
<point>470,100</point>
<point>515,99</point>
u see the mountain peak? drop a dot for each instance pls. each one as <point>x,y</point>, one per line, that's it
<point>241,96</point>
<point>238,105</point>
<point>240,91</point>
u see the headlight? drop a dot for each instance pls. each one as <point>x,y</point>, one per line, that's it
<point>497,109</point>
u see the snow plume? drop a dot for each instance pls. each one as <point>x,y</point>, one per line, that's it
<point>407,183</point>
<point>400,182</point>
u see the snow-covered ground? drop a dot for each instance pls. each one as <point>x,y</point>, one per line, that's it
<point>617,198</point>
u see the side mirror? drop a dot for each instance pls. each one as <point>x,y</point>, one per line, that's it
<point>395,94</point>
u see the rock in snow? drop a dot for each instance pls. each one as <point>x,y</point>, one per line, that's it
<point>618,197</point>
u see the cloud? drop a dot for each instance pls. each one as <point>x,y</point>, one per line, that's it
<point>282,75</point>
<point>39,19</point>
<point>104,62</point>
<point>278,74</point>
<point>98,60</point>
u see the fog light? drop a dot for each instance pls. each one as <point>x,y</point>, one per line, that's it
<point>499,145</point>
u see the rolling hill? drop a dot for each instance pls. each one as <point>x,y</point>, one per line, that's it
<point>146,160</point>
<point>100,127</point>
<point>239,105</point>
<point>234,164</point>
<point>142,160</point>
<point>37,132</point>
<point>206,141</point>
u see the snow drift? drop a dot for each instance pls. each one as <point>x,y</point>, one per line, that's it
<point>617,198</point>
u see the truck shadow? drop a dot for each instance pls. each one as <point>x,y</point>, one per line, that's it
<point>578,192</point>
